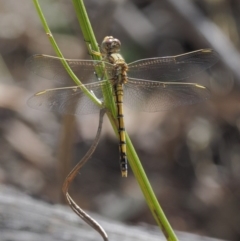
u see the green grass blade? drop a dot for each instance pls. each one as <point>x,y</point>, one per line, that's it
<point>60,55</point>
<point>93,49</point>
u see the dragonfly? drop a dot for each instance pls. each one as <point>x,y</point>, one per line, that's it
<point>150,85</point>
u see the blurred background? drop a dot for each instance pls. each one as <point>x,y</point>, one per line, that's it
<point>191,154</point>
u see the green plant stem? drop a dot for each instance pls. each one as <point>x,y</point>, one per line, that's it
<point>93,49</point>
<point>60,55</point>
<point>146,188</point>
<point>131,153</point>
<point>87,31</point>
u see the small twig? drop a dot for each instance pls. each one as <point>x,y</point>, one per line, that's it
<point>83,215</point>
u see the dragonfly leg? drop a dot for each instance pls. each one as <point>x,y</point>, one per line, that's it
<point>96,53</point>
<point>91,51</point>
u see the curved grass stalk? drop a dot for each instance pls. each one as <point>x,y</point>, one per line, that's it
<point>83,215</point>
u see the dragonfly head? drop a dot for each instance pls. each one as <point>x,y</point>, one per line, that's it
<point>110,45</point>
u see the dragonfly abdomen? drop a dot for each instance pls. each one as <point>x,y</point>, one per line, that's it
<point>118,88</point>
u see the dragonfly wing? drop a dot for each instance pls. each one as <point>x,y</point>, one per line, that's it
<point>68,100</point>
<point>52,68</point>
<point>173,68</point>
<point>154,96</point>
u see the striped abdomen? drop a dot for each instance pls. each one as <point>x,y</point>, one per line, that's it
<point>118,88</point>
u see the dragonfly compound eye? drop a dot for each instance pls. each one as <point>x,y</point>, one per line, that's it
<point>110,45</point>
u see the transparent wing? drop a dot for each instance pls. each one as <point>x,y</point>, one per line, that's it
<point>68,100</point>
<point>154,96</point>
<point>51,68</point>
<point>149,96</point>
<point>173,68</point>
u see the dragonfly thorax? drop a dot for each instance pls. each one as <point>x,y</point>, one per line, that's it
<point>120,72</point>
<point>110,49</point>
